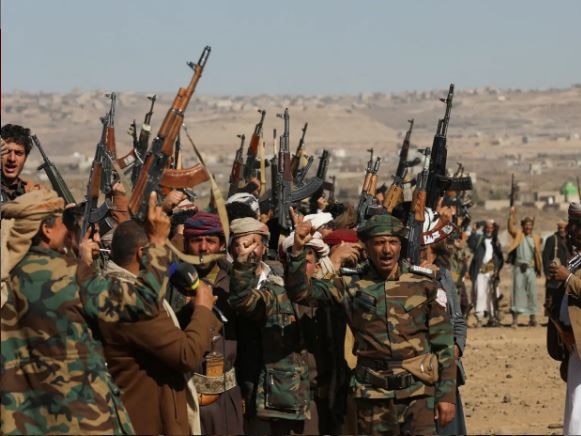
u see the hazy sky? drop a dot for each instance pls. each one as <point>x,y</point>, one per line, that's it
<point>289,47</point>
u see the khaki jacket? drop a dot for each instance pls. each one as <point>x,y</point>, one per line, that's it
<point>518,237</point>
<point>574,288</point>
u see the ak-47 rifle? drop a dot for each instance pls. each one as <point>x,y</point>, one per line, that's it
<point>55,178</point>
<point>283,194</point>
<point>236,167</point>
<point>394,194</point>
<point>416,214</point>
<point>141,145</point>
<point>93,212</point>
<point>252,163</point>
<point>367,197</point>
<point>154,173</point>
<point>513,189</point>
<point>299,173</point>
<point>108,178</point>
<point>438,181</point>
<point>284,176</point>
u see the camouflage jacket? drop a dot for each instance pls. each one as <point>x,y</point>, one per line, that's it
<point>393,320</point>
<point>53,373</point>
<point>282,389</point>
<point>16,189</point>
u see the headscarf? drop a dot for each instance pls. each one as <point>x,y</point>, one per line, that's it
<point>319,219</point>
<point>246,198</point>
<point>244,226</point>
<point>203,224</point>
<point>21,219</point>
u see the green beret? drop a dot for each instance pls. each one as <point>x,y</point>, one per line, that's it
<point>381,225</point>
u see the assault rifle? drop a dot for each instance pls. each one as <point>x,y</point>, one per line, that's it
<point>93,212</point>
<point>513,189</point>
<point>394,195</point>
<point>236,167</point>
<point>55,178</point>
<point>141,145</point>
<point>367,197</point>
<point>154,174</point>
<point>438,181</point>
<point>252,163</point>
<point>108,178</point>
<point>416,214</point>
<point>299,173</point>
<point>322,173</point>
<point>283,194</point>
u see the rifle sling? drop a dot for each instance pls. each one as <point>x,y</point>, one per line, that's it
<point>218,198</point>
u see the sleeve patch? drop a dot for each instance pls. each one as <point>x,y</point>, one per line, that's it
<point>442,298</point>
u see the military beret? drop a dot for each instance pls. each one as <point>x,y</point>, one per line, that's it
<point>381,225</point>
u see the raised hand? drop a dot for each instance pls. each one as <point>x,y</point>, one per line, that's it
<point>89,246</point>
<point>157,225</point>
<point>244,247</point>
<point>303,230</point>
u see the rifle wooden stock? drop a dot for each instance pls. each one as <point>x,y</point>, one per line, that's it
<point>161,151</point>
<point>393,197</point>
<point>419,205</point>
<point>366,182</point>
<point>110,142</point>
<point>372,185</point>
<point>183,178</point>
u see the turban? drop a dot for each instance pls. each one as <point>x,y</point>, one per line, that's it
<point>341,235</point>
<point>246,198</point>
<point>574,212</point>
<point>21,219</point>
<point>381,225</point>
<point>244,226</point>
<point>316,243</point>
<point>319,219</point>
<point>203,224</point>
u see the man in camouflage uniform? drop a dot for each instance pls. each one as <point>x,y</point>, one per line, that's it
<point>278,398</point>
<point>406,374</point>
<point>16,146</point>
<point>53,373</point>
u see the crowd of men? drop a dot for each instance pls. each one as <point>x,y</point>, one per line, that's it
<point>187,323</point>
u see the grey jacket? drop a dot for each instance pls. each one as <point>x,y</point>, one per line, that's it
<point>458,321</point>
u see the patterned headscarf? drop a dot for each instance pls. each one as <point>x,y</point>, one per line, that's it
<point>203,224</point>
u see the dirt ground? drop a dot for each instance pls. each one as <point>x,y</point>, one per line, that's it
<point>513,386</point>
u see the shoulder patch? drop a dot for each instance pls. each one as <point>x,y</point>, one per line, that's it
<point>426,272</point>
<point>442,298</point>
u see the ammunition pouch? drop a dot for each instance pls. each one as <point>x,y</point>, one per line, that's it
<point>424,367</point>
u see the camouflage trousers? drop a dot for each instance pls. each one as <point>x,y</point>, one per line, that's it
<point>409,416</point>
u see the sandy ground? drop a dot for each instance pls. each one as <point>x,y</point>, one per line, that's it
<point>513,386</point>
